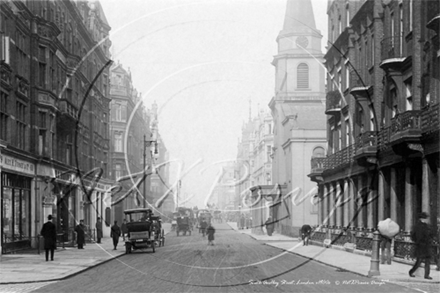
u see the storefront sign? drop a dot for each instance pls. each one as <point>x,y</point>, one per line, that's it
<point>50,199</point>
<point>17,165</point>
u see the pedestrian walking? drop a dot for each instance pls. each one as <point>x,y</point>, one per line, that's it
<point>203,226</point>
<point>124,229</point>
<point>388,230</point>
<point>305,234</point>
<point>269,226</point>
<point>49,232</point>
<point>242,221</point>
<point>210,232</point>
<point>80,234</point>
<point>115,232</point>
<point>422,235</point>
<point>98,227</point>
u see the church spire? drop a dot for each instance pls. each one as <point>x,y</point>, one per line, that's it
<point>299,17</point>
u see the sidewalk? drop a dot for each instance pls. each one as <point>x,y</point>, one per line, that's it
<point>27,268</point>
<point>352,262</point>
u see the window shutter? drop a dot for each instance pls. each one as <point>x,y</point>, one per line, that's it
<point>303,76</point>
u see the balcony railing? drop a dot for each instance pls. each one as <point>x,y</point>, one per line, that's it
<point>340,158</point>
<point>318,164</point>
<point>383,138</point>
<point>367,139</point>
<point>430,119</point>
<point>406,125</point>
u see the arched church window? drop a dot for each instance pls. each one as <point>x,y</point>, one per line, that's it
<point>303,76</point>
<point>318,152</point>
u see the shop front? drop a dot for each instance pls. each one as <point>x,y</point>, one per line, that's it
<point>16,204</point>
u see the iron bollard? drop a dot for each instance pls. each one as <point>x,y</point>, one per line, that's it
<point>374,265</point>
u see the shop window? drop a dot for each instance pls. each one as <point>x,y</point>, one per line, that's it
<point>16,221</point>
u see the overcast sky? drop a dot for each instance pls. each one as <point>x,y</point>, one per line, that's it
<point>202,62</point>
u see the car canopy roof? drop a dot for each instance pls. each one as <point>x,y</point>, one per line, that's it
<point>139,210</point>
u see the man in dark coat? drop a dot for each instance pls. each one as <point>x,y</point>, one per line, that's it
<point>80,234</point>
<point>242,221</point>
<point>98,230</point>
<point>210,232</point>
<point>203,226</point>
<point>305,234</point>
<point>269,226</point>
<point>421,234</point>
<point>115,232</point>
<point>49,232</point>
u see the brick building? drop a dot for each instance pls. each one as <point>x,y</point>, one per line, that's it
<point>130,123</point>
<point>383,121</point>
<point>54,138</point>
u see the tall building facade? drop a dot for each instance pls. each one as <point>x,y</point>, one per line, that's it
<point>299,126</point>
<point>53,118</point>
<point>161,191</point>
<point>130,125</point>
<point>383,121</point>
<point>253,166</point>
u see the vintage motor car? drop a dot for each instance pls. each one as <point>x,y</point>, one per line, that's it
<point>141,234</point>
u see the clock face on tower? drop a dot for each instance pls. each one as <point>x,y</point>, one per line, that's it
<point>302,42</point>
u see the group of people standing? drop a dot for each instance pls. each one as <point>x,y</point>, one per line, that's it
<point>49,233</point>
<point>245,222</point>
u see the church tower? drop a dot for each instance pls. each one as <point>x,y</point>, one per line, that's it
<point>298,110</point>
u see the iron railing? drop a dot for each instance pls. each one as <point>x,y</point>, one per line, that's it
<point>430,119</point>
<point>409,120</point>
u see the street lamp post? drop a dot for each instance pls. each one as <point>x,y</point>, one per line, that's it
<point>153,150</point>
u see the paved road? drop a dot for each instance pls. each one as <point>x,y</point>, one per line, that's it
<point>237,263</point>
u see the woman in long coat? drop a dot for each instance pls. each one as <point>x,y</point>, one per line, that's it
<point>210,232</point>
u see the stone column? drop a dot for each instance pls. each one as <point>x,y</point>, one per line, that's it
<point>338,199</point>
<point>393,196</point>
<point>371,202</point>
<point>319,205</point>
<point>425,187</point>
<point>408,199</point>
<point>325,205</point>
<point>332,205</point>
<point>346,200</point>
<point>381,197</point>
<point>352,203</point>
<point>359,203</point>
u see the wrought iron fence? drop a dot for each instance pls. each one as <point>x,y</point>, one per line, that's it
<point>340,239</point>
<point>364,243</point>
<point>318,236</point>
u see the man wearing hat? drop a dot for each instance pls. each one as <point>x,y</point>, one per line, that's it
<point>421,234</point>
